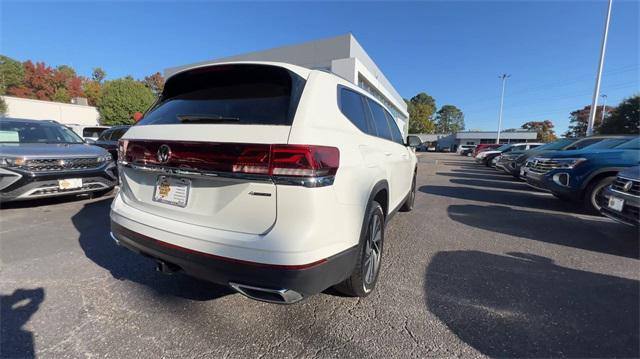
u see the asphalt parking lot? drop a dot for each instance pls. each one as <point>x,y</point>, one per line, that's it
<point>483,266</point>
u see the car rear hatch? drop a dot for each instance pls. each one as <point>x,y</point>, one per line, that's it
<point>203,154</point>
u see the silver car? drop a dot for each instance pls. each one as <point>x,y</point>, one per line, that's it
<point>43,159</point>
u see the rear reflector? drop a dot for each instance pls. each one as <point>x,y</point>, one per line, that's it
<point>265,159</point>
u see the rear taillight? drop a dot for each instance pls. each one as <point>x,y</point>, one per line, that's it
<point>122,149</point>
<point>304,160</point>
<point>299,161</point>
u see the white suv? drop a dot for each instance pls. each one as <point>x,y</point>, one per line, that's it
<point>271,178</point>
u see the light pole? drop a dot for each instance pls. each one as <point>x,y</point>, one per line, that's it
<point>596,90</point>
<point>604,107</point>
<point>504,78</point>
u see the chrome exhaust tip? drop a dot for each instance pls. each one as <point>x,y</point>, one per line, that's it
<point>278,296</point>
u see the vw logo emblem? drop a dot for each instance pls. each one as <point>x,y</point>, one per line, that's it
<point>164,153</point>
<point>627,186</point>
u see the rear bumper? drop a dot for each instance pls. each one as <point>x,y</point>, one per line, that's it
<point>630,213</point>
<point>305,279</point>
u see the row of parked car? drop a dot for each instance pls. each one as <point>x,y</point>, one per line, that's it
<point>601,172</point>
<point>40,158</point>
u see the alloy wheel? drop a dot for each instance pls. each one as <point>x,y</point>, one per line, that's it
<point>372,253</point>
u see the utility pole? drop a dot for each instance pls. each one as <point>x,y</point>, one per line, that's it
<point>504,78</point>
<point>604,107</point>
<point>596,90</point>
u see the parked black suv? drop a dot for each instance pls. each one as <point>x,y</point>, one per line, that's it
<point>43,159</point>
<point>109,139</point>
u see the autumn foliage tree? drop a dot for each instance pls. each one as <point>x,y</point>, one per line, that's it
<point>155,83</point>
<point>544,129</point>
<point>579,119</point>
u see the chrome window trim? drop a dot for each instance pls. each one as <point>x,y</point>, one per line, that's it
<point>309,182</point>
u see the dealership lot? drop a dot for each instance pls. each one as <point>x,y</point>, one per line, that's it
<point>482,266</point>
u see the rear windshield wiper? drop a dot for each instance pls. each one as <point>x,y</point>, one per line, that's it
<point>206,119</point>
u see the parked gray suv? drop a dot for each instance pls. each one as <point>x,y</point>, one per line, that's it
<point>43,159</point>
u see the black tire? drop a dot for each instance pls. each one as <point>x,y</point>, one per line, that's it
<point>362,282</point>
<point>593,192</point>
<point>407,206</point>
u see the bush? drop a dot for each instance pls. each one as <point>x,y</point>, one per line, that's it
<point>122,98</point>
<point>3,107</point>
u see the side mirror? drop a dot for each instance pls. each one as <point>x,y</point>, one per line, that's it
<point>90,141</point>
<point>413,141</point>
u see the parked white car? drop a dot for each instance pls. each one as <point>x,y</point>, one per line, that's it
<point>89,133</point>
<point>464,147</point>
<point>487,156</point>
<point>271,178</point>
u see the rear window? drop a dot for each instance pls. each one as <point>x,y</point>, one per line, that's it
<point>234,94</point>
<point>352,106</point>
<point>92,131</point>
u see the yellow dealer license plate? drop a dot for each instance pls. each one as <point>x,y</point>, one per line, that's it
<point>172,190</point>
<point>70,183</point>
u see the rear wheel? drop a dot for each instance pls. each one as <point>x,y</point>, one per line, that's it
<point>365,274</point>
<point>593,193</point>
<point>407,206</point>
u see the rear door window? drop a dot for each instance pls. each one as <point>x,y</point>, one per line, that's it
<point>243,94</point>
<point>380,120</point>
<point>352,106</point>
<point>395,131</point>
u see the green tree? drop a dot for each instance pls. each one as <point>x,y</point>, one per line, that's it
<point>543,128</point>
<point>3,106</point>
<point>68,71</point>
<point>421,108</point>
<point>98,75</point>
<point>61,95</point>
<point>93,91</point>
<point>122,98</point>
<point>11,74</point>
<point>624,119</point>
<point>449,119</point>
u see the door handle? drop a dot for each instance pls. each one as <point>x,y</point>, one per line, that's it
<point>387,153</point>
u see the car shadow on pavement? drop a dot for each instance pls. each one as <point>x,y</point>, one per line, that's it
<point>93,224</point>
<point>521,305</point>
<point>489,176</point>
<point>602,236</point>
<point>15,311</point>
<point>39,202</point>
<point>507,198</point>
<point>516,186</point>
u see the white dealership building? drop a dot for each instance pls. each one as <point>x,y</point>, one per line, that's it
<point>343,56</point>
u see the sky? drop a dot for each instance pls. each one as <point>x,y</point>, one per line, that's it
<point>452,50</point>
